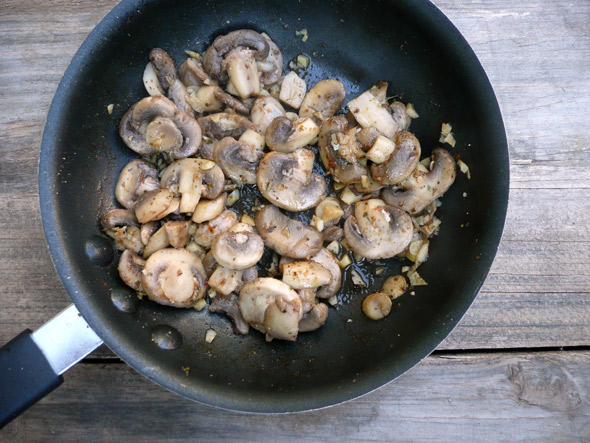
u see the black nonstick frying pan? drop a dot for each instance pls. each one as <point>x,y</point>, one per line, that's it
<point>409,43</point>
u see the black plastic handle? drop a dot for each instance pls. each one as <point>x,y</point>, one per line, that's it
<point>25,376</point>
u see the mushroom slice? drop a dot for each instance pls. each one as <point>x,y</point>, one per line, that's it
<point>231,102</point>
<point>283,135</point>
<point>257,297</point>
<point>242,71</point>
<point>420,189</point>
<point>223,124</point>
<point>287,180</point>
<point>398,110</point>
<point>377,230</point>
<point>206,232</point>
<point>155,125</point>
<point>271,67</point>
<point>151,82</point>
<point>225,280</point>
<point>174,277</point>
<point>238,160</point>
<point>155,205</point>
<point>127,237</point>
<point>314,318</point>
<point>329,211</point>
<point>237,250</point>
<point>293,90</point>
<point>367,136</point>
<point>305,274</point>
<point>158,240</point>
<point>222,45</point>
<point>178,233</point>
<point>327,260</point>
<point>147,230</point>
<point>209,209</point>
<point>228,305</point>
<point>323,100</point>
<point>136,178</point>
<point>401,162</point>
<point>166,72</point>
<point>333,142</point>
<point>116,218</point>
<point>368,112</point>
<point>204,99</point>
<point>288,237</point>
<point>183,178</point>
<point>192,74</point>
<point>130,267</point>
<point>264,111</point>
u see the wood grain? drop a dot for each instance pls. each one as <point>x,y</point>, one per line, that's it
<point>500,397</point>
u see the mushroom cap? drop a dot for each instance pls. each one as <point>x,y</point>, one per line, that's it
<point>130,267</point>
<point>136,178</point>
<point>155,205</point>
<point>205,233</point>
<point>264,110</point>
<point>288,237</point>
<point>284,135</point>
<point>237,159</point>
<point>237,250</point>
<point>329,262</point>
<point>118,217</point>
<point>174,277</point>
<point>287,180</point>
<point>377,230</point>
<point>271,67</point>
<point>420,189</point>
<point>139,131</point>
<point>401,162</point>
<point>341,169</point>
<point>257,296</point>
<point>314,318</point>
<point>325,97</point>
<point>223,124</point>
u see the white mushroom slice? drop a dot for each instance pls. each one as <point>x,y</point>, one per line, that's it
<point>400,115</point>
<point>136,178</point>
<point>264,111</point>
<point>151,82</point>
<point>238,250</point>
<point>158,240</point>
<point>281,319</point>
<point>400,163</point>
<point>329,262</point>
<point>206,232</point>
<point>155,205</point>
<point>204,99</point>
<point>183,177</point>
<point>225,280</point>
<point>288,237</point>
<point>287,180</point>
<point>377,230</point>
<point>130,268</point>
<point>147,230</point>
<point>377,306</point>
<point>178,233</point>
<point>305,275</point>
<point>323,100</point>
<point>128,237</point>
<point>315,318</point>
<point>238,160</point>
<point>166,71</point>
<point>223,124</point>
<point>116,218</point>
<point>174,277</point>
<point>242,71</point>
<point>420,189</point>
<point>283,135</point>
<point>228,305</point>
<point>379,90</point>
<point>368,112</point>
<point>293,90</point>
<point>271,67</point>
<point>209,209</point>
<point>329,211</point>
<point>253,138</point>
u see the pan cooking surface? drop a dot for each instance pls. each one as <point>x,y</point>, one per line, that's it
<point>425,60</point>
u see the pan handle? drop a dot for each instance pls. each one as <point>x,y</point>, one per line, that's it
<point>32,364</point>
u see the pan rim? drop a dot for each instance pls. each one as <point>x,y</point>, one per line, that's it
<point>423,9</point>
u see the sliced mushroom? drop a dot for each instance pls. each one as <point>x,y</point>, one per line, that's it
<point>130,267</point>
<point>314,318</point>
<point>183,178</point>
<point>204,99</point>
<point>271,307</point>
<point>231,102</point>
<point>329,211</point>
<point>329,262</point>
<point>377,230</point>
<point>178,233</point>
<point>151,82</point>
<point>237,250</point>
<point>377,306</point>
<point>323,100</point>
<point>166,72</point>
<point>116,218</point>
<point>420,189</point>
<point>158,240</point>
<point>253,138</point>
<point>242,71</point>
<point>288,237</point>
<point>305,274</point>
<point>127,237</point>
<point>333,233</point>
<point>401,162</point>
<point>174,277</point>
<point>155,205</point>
<point>339,166</point>
<point>367,136</point>
<point>209,209</point>
<point>136,178</point>
<point>192,74</point>
<point>264,111</point>
<point>238,160</point>
<point>206,232</point>
<point>369,112</point>
<point>283,135</point>
<point>287,180</point>
<point>398,111</point>
<point>293,90</point>
<point>154,125</point>
<point>228,305</point>
<point>225,280</point>
<point>223,124</point>
<point>271,67</point>
<point>147,230</point>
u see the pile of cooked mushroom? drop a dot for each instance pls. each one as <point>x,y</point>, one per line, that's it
<point>229,119</point>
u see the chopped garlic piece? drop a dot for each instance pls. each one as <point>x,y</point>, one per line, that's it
<point>110,108</point>
<point>200,304</point>
<point>415,279</point>
<point>193,54</point>
<point>344,261</point>
<point>333,247</point>
<point>232,198</point>
<point>450,139</point>
<point>317,223</point>
<point>357,278</point>
<point>349,197</point>
<point>333,300</point>
<point>381,150</point>
<point>464,168</point>
<point>247,219</point>
<point>210,335</point>
<point>302,61</point>
<point>303,33</point>
<point>411,111</point>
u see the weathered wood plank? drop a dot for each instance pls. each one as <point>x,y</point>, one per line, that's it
<point>500,397</point>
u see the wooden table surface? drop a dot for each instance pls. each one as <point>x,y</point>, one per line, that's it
<point>516,368</point>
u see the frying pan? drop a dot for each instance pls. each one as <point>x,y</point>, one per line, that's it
<point>409,43</point>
